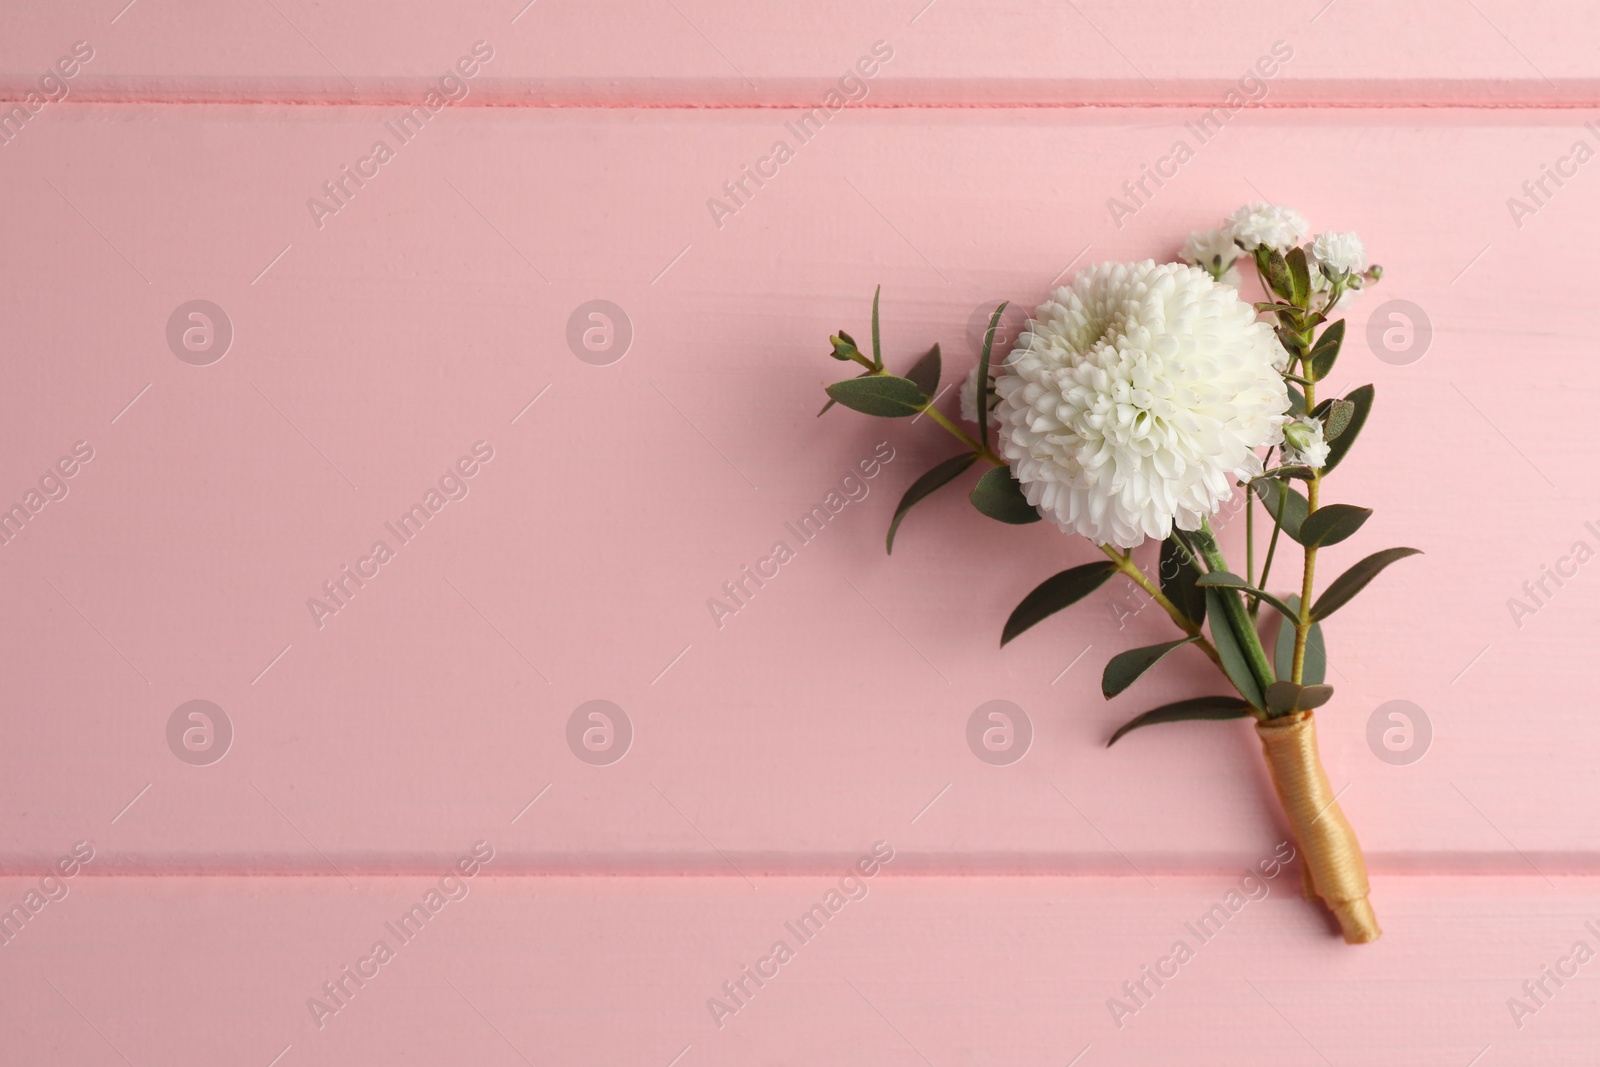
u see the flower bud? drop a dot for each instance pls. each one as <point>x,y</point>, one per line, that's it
<point>1298,436</point>
<point>1303,443</point>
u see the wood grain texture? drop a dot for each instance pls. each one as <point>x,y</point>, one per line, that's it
<point>705,53</point>
<point>431,310</point>
<point>426,315</point>
<point>919,970</point>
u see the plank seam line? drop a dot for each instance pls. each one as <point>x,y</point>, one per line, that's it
<point>1509,871</point>
<point>1418,104</point>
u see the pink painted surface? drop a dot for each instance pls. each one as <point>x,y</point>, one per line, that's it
<point>374,350</point>
<point>379,348</point>
<point>699,52</point>
<point>920,970</point>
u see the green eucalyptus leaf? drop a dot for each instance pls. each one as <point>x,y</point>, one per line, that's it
<point>1352,581</point>
<point>998,495</point>
<point>1315,665</point>
<point>1179,572</point>
<point>1293,470</point>
<point>1286,698</point>
<point>1325,351</point>
<point>877,349</point>
<point>1228,650</point>
<point>1362,400</point>
<point>1299,276</point>
<point>1285,505</point>
<point>1217,707</point>
<point>879,394</point>
<point>925,374</point>
<point>926,486</point>
<point>1277,272</point>
<point>1281,697</point>
<point>1313,696</point>
<point>831,401</point>
<point>1228,580</point>
<point>1289,339</point>
<point>1297,399</point>
<point>981,394</point>
<point>1124,668</point>
<point>1054,593</point>
<point>1340,412</point>
<point>1187,540</point>
<point>1332,523</point>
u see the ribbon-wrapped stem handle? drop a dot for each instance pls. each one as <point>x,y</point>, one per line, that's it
<point>1328,845</point>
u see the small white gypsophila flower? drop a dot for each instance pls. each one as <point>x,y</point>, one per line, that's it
<point>1341,253</point>
<point>969,396</point>
<point>1303,443</point>
<point>1214,252</point>
<point>1137,398</point>
<point>1276,227</point>
<point>1321,285</point>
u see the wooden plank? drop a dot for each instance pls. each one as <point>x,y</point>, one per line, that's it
<point>698,52</point>
<point>912,971</point>
<point>432,310</point>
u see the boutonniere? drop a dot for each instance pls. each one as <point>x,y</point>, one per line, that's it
<point>1137,404</point>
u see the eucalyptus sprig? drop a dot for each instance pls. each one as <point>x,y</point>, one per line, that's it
<point>1299,310</point>
<point>997,493</point>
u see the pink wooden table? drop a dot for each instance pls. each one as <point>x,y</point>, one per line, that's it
<point>379,331</point>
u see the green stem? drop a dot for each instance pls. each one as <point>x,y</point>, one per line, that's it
<point>1302,625</point>
<point>1272,547</point>
<point>1250,542</point>
<point>982,449</point>
<point>1126,565</point>
<point>1237,619</point>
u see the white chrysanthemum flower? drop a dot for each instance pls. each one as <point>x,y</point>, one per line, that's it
<point>1136,399</point>
<point>1341,253</point>
<point>1213,251</point>
<point>1276,227</point>
<point>1303,443</point>
<point>969,396</point>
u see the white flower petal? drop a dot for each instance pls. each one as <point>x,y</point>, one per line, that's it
<point>1276,227</point>
<point>1136,398</point>
<point>1341,253</point>
<point>969,396</point>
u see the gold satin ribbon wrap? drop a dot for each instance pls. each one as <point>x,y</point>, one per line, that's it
<point>1332,855</point>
